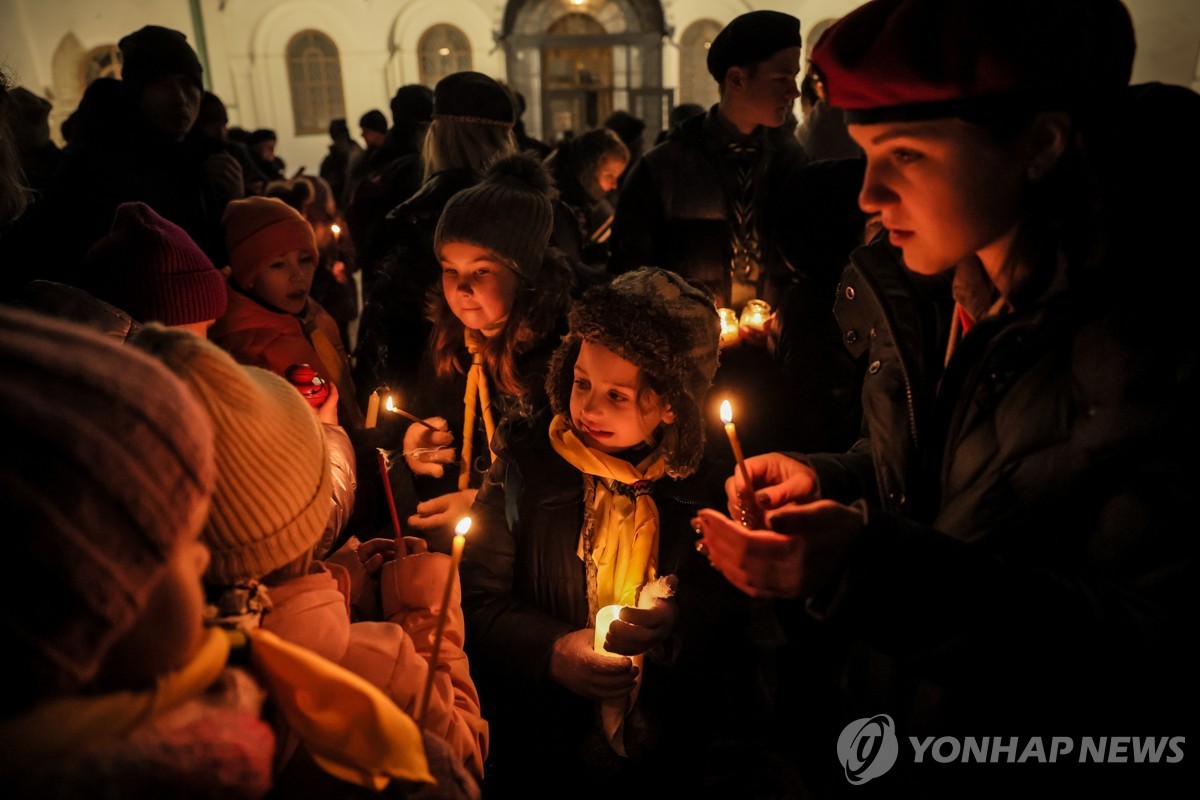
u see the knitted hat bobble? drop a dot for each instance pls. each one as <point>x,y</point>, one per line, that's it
<point>664,325</point>
<point>751,38</point>
<point>509,212</point>
<point>149,267</point>
<point>107,468</point>
<point>153,52</point>
<point>274,488</point>
<point>258,229</point>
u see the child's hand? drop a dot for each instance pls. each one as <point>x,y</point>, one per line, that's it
<point>327,412</point>
<point>641,629</point>
<point>374,552</point>
<point>442,511</point>
<point>425,450</point>
<point>575,665</point>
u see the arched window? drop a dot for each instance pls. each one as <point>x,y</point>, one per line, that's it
<point>100,62</point>
<point>695,84</point>
<point>443,50</point>
<point>315,77</point>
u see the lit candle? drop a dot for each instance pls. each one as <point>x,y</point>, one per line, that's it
<point>456,550</point>
<point>729,326</point>
<point>337,231</point>
<point>751,513</point>
<point>373,407</point>
<point>387,490</point>
<point>392,407</point>
<point>604,620</point>
<point>755,313</point>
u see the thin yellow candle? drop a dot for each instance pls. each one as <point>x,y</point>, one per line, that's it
<point>372,409</point>
<point>604,620</point>
<point>751,513</point>
<point>337,231</point>
<point>456,550</point>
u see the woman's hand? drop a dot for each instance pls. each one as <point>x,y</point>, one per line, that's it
<point>778,480</point>
<point>801,556</point>
<point>575,665</point>
<point>426,450</point>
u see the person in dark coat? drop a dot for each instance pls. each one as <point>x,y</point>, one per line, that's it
<point>1003,547</point>
<point>131,146</point>
<point>697,203</point>
<point>471,128</point>
<point>586,171</point>
<point>262,149</point>
<point>336,164</point>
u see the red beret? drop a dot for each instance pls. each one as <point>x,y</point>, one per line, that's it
<point>922,59</point>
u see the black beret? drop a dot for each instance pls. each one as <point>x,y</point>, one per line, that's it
<point>751,38</point>
<point>472,97</point>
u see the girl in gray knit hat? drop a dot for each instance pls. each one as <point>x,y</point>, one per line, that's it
<point>496,317</point>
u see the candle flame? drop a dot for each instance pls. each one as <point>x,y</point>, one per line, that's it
<point>726,412</point>
<point>462,527</point>
<point>336,229</point>
<point>390,405</point>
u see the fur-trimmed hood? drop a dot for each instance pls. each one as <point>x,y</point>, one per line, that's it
<point>666,326</point>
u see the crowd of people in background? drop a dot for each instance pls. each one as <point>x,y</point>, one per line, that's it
<point>247,406</point>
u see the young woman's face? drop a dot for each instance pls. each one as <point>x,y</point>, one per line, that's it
<point>605,406</point>
<point>944,188</point>
<point>479,286</point>
<point>286,280</point>
<point>609,172</point>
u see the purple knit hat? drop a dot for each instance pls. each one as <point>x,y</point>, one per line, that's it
<point>108,465</point>
<point>149,267</point>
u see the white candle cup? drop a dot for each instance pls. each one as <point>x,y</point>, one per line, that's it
<point>604,620</point>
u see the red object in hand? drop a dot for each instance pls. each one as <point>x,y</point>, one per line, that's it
<point>314,388</point>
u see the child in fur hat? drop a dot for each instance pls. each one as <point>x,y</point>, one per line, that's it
<point>496,319</point>
<point>272,322</point>
<point>115,687</point>
<point>268,513</point>
<point>594,513</point>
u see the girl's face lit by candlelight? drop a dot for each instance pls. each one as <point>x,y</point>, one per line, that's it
<point>610,407</point>
<point>479,287</point>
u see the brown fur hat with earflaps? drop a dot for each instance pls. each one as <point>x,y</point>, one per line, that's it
<point>666,326</point>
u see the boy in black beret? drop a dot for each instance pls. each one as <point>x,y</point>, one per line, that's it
<point>696,203</point>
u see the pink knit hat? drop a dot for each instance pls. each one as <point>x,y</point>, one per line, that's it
<point>258,229</point>
<point>149,267</point>
<point>108,460</point>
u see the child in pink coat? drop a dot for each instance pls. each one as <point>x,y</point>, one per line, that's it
<point>269,510</point>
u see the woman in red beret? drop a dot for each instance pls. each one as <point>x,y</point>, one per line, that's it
<point>999,550</point>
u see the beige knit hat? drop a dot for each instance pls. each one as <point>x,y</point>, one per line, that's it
<point>274,488</point>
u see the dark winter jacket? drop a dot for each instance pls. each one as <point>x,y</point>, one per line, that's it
<point>1023,570</point>
<point>524,587</point>
<point>674,209</point>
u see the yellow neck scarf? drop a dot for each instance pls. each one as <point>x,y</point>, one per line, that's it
<point>619,541</point>
<point>353,730</point>
<point>622,515</point>
<point>477,391</point>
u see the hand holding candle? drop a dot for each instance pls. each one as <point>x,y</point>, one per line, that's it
<point>604,620</point>
<point>392,407</point>
<point>752,516</point>
<point>456,550</point>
